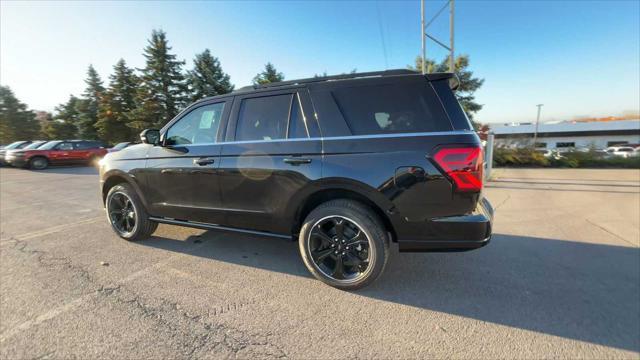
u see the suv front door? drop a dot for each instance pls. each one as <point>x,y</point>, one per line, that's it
<point>272,151</point>
<point>181,173</point>
<point>60,153</point>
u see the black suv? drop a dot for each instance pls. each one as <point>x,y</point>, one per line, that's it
<point>345,164</point>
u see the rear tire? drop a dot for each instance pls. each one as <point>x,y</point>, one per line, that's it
<point>344,234</point>
<point>127,215</point>
<point>38,163</point>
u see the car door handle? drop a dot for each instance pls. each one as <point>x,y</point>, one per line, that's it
<point>204,161</point>
<point>296,161</point>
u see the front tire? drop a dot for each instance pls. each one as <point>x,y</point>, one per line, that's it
<point>344,244</point>
<point>38,163</point>
<point>127,215</point>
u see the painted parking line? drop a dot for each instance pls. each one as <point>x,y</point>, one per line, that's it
<point>53,229</point>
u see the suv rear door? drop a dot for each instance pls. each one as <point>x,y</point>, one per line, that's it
<point>181,174</point>
<point>272,151</point>
<point>83,150</point>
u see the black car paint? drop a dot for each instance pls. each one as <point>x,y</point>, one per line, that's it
<point>254,185</point>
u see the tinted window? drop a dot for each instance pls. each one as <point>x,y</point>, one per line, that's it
<point>454,109</point>
<point>263,118</point>
<point>121,145</point>
<point>297,125</point>
<point>391,108</point>
<point>84,145</point>
<point>565,144</point>
<point>64,146</point>
<point>200,126</point>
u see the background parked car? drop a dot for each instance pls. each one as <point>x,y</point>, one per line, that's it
<point>622,151</point>
<point>12,146</point>
<point>120,146</point>
<point>10,154</point>
<point>60,152</point>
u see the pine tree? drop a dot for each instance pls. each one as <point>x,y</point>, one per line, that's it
<point>207,78</point>
<point>87,107</point>
<point>268,75</point>
<point>162,92</point>
<point>16,121</point>
<point>63,124</point>
<point>116,105</point>
<point>468,83</point>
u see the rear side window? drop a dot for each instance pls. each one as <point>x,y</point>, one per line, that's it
<point>391,108</point>
<point>87,145</point>
<point>454,109</point>
<point>264,118</point>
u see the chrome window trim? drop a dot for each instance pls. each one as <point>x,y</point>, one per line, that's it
<point>349,137</point>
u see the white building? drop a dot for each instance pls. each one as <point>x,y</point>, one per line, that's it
<point>598,134</point>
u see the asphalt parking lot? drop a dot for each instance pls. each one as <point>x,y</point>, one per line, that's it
<point>561,278</point>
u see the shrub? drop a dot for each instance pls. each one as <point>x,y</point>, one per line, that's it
<point>572,159</point>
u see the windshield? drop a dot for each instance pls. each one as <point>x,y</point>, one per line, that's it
<point>50,145</point>
<point>14,145</point>
<point>35,145</point>
<point>121,146</point>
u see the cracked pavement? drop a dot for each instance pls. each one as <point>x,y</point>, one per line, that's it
<point>561,278</point>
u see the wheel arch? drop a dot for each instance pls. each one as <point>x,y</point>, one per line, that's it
<point>116,177</point>
<point>343,189</point>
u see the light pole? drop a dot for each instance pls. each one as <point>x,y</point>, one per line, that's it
<point>535,134</point>
<point>451,58</point>
<point>424,45</point>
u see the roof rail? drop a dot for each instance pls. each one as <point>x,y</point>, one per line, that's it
<point>329,78</point>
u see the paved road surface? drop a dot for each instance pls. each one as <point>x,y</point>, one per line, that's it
<point>561,278</point>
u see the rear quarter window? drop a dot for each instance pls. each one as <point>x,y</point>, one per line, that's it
<point>391,108</point>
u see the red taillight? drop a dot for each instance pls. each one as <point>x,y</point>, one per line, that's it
<point>463,165</point>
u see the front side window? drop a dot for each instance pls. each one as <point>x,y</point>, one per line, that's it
<point>264,118</point>
<point>200,126</point>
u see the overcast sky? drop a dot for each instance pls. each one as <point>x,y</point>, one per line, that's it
<point>577,57</point>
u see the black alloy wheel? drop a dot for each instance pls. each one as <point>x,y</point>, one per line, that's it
<point>339,248</point>
<point>122,213</point>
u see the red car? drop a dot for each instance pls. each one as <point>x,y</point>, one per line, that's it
<point>59,152</point>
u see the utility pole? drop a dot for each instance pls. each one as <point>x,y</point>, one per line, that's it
<point>535,134</point>
<point>451,59</point>
<point>425,35</point>
<point>424,45</point>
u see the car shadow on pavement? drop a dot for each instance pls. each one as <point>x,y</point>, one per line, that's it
<point>575,290</point>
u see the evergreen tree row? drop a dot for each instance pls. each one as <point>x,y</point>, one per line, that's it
<point>133,100</point>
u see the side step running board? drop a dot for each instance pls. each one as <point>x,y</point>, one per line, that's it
<point>207,226</point>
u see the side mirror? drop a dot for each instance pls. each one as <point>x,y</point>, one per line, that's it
<point>150,136</point>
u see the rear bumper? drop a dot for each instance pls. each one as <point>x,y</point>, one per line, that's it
<point>454,233</point>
